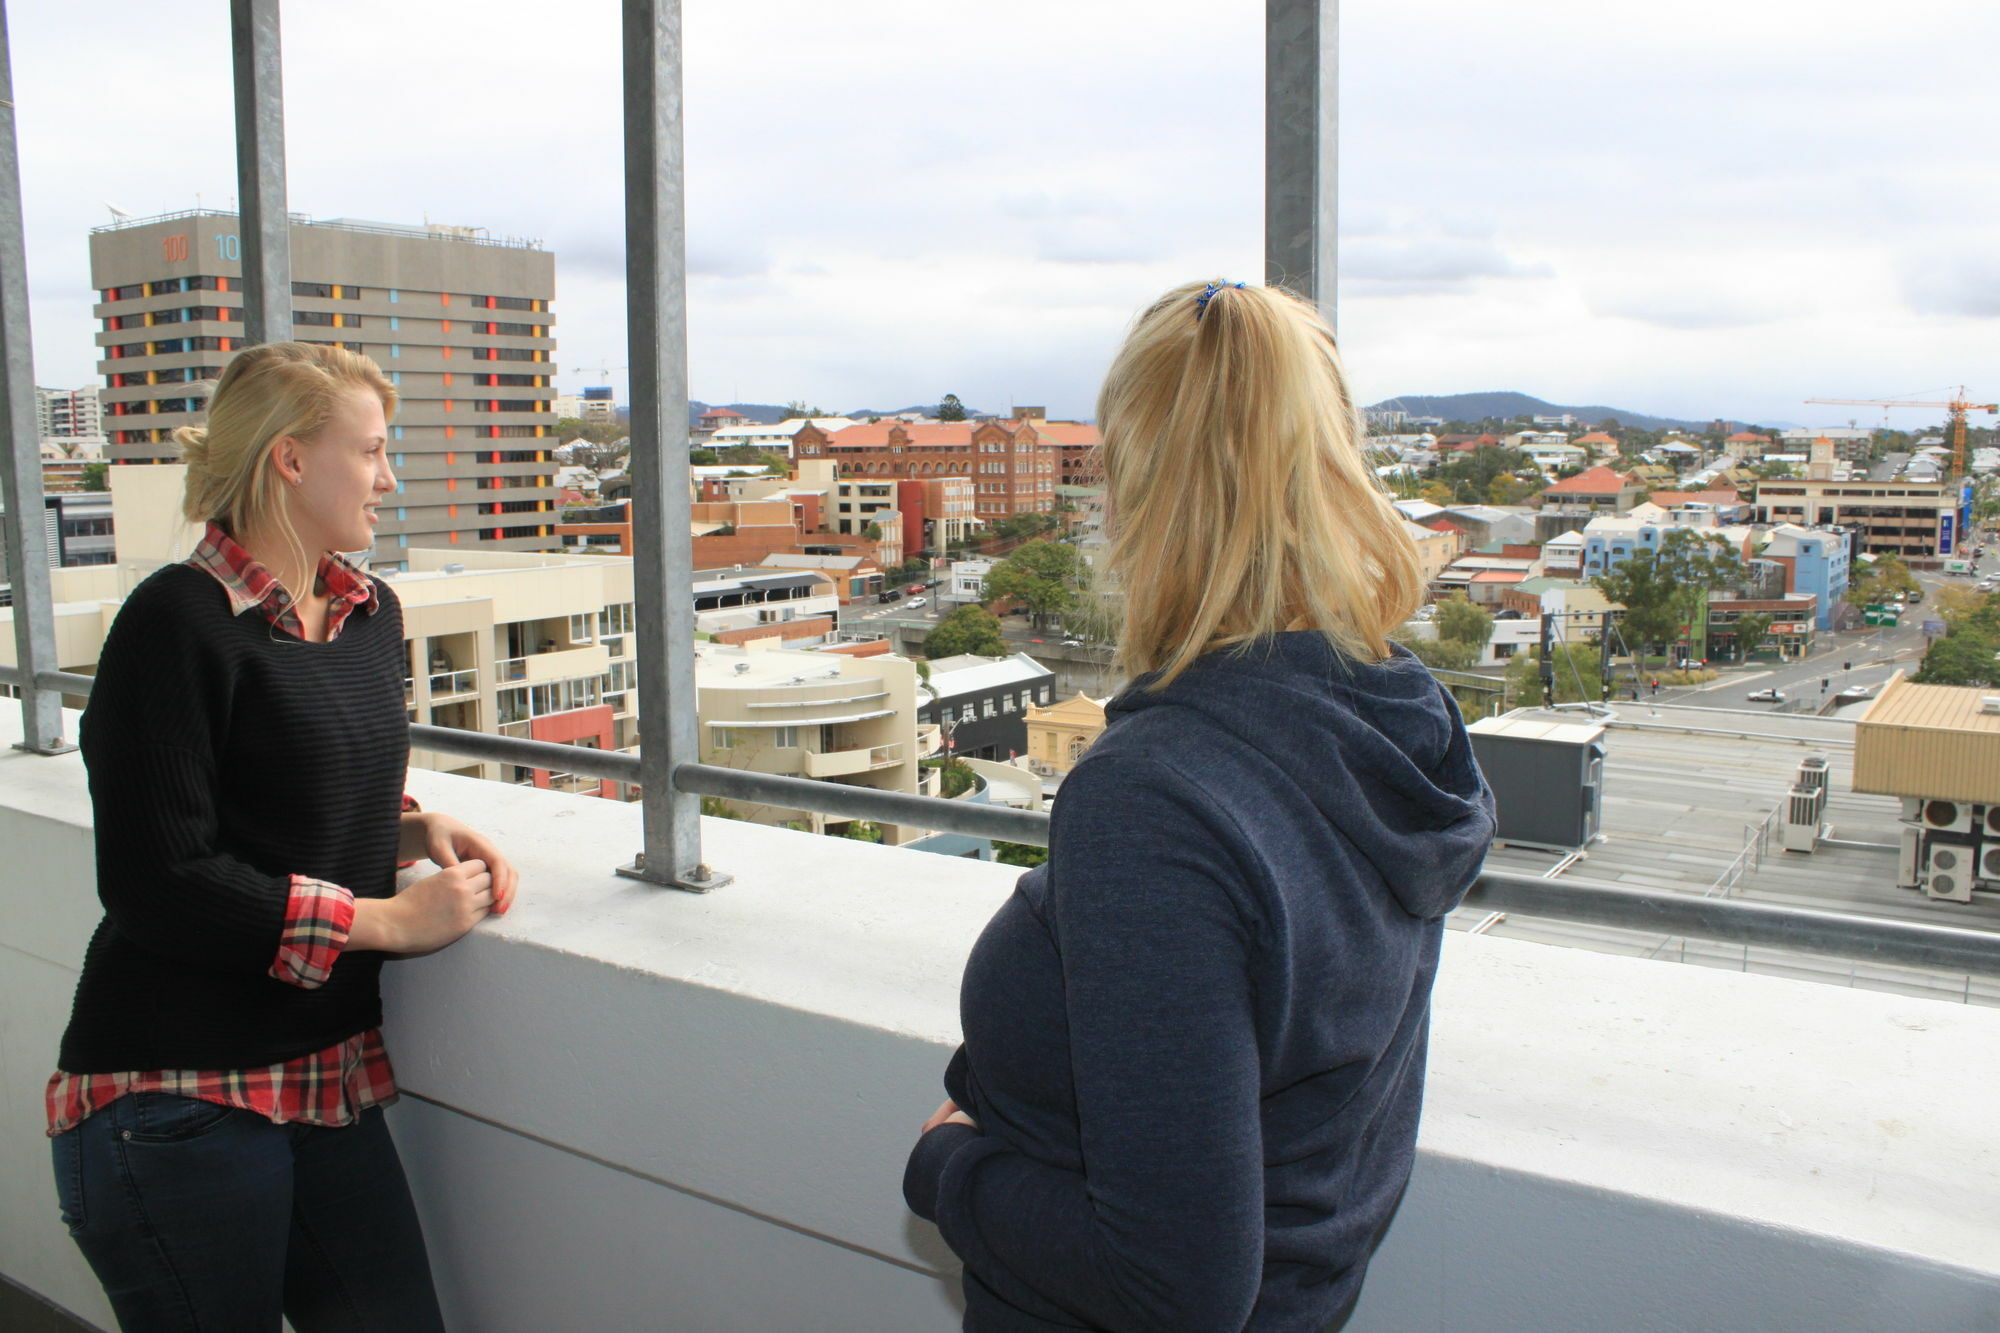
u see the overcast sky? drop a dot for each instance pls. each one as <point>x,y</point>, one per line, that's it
<point>1710,207</point>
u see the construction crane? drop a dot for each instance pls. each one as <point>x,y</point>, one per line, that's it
<point>1957,406</point>
<point>602,372</point>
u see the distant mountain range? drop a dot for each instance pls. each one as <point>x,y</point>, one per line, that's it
<point>1506,405</point>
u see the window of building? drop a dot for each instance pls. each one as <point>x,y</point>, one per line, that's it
<point>785,738</point>
<point>988,710</point>
<point>965,714</point>
<point>1007,703</point>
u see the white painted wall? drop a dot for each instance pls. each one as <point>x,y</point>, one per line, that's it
<point>633,1108</point>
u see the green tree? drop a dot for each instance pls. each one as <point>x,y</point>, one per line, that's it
<point>969,629</point>
<point>1665,589</point>
<point>1016,526</point>
<point>718,808</point>
<point>955,776</point>
<point>1511,490</point>
<point>1751,629</point>
<point>1436,492</point>
<point>798,408</point>
<point>1022,854</point>
<point>1042,576</point>
<point>702,458</point>
<point>1577,672</point>
<point>873,532</point>
<point>1441,654</point>
<point>951,409</point>
<point>1887,578</point>
<point>96,476</point>
<point>861,830</point>
<point>1462,621</point>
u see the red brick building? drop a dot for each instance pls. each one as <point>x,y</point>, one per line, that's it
<point>1013,467</point>
<point>1077,459</point>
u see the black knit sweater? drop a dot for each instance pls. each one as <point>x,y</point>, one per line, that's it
<point>226,755</point>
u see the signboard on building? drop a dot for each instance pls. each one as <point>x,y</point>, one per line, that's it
<point>1945,525</point>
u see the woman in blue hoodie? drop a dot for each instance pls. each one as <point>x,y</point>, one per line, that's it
<point>1194,1039</point>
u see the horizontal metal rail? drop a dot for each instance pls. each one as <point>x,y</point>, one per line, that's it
<point>826,798</point>
<point>1862,939</point>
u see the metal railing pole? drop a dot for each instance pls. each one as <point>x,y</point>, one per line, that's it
<point>663,546</point>
<point>27,560</point>
<point>1302,147</point>
<point>262,216</point>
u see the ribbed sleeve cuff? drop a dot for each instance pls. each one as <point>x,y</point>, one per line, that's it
<point>925,1170</point>
<point>318,916</point>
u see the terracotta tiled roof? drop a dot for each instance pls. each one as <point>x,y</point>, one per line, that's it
<point>1747,437</point>
<point>1442,525</point>
<point>1067,432</point>
<point>1595,437</point>
<point>723,412</point>
<point>1599,480</point>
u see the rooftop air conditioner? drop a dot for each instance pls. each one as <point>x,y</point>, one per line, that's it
<point>1913,810</point>
<point>1802,815</point>
<point>1991,821</point>
<point>1910,863</point>
<point>1989,862</point>
<point>1951,872</point>
<point>1812,772</point>
<point>1948,816</point>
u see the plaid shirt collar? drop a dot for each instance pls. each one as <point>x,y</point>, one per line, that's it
<point>253,587</point>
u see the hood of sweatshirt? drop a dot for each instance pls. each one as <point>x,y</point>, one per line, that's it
<point>1379,747</point>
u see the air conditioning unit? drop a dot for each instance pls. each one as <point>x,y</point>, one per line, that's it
<point>1802,814</point>
<point>1913,810</point>
<point>1812,772</point>
<point>1948,816</point>
<point>1910,863</point>
<point>1989,863</point>
<point>1950,872</point>
<point>1991,821</point>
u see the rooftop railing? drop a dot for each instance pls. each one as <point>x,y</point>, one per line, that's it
<point>1299,239</point>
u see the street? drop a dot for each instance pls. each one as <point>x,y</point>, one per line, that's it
<point>1854,657</point>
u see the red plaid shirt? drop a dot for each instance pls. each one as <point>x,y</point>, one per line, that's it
<point>329,1087</point>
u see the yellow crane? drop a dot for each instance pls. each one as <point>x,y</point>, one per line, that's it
<point>1957,406</point>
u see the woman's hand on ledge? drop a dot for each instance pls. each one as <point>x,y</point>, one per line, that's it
<point>947,1114</point>
<point>435,911</point>
<point>446,842</point>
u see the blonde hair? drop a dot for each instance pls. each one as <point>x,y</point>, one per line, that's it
<point>266,393</point>
<point>1240,503</point>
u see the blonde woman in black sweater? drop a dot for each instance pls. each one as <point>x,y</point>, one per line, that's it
<point>220,1152</point>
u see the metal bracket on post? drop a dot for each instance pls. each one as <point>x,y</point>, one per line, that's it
<point>662,542</point>
<point>27,558</point>
<point>1301,147</point>
<point>262,215</point>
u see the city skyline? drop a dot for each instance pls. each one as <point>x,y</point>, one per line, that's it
<point>1722,218</point>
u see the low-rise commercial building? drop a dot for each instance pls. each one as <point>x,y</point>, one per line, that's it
<point>981,703</point>
<point>1059,734</point>
<point>1915,520</point>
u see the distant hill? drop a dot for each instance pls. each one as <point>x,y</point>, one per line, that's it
<point>1506,405</point>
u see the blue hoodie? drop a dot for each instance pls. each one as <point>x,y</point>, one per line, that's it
<point>1194,1039</point>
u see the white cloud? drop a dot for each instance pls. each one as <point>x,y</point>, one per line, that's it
<point>888,200</point>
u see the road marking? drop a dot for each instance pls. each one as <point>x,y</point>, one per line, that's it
<point>1732,680</point>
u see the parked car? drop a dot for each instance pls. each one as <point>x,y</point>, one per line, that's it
<point>888,596</point>
<point>1508,614</point>
<point>916,603</point>
<point>1072,643</point>
<point>1856,693</point>
<point>1916,594</point>
<point>1766,696</point>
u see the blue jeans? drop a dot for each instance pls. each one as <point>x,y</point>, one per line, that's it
<point>199,1216</point>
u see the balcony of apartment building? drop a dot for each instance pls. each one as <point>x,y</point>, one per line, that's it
<point>543,652</point>
<point>1608,1142</point>
<point>630,1107</point>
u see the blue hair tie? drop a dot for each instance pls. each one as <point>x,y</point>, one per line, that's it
<point>1208,294</point>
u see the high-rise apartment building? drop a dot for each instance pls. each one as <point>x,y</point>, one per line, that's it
<point>459,320</point>
<point>68,413</point>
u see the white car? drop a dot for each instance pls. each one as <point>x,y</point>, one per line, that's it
<point>1072,643</point>
<point>916,603</point>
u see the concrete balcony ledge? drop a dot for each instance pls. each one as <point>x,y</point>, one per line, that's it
<point>634,1108</point>
<point>841,763</point>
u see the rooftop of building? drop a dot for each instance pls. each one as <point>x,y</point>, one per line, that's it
<point>1951,708</point>
<point>969,673</point>
<point>762,664</point>
<point>1596,480</point>
<point>1684,789</point>
<point>422,231</point>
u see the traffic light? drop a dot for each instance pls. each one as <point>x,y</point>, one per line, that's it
<point>1847,666</point>
<point>1823,684</point>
